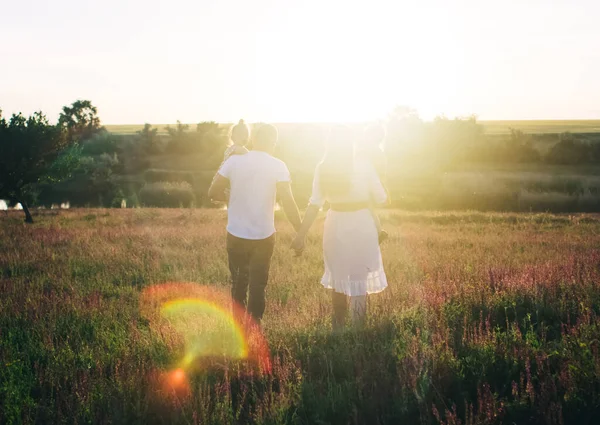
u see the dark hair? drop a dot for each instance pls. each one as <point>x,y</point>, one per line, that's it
<point>337,167</point>
<point>266,136</point>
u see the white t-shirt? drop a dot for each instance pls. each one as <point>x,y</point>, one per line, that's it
<point>253,178</point>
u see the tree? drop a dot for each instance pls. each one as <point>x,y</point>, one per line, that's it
<point>148,138</point>
<point>32,151</point>
<point>519,147</point>
<point>570,150</point>
<point>452,140</point>
<point>80,120</point>
<point>404,132</point>
<point>213,138</point>
<point>179,142</point>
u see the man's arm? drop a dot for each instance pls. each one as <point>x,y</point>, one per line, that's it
<point>284,192</point>
<point>217,190</point>
<point>309,218</point>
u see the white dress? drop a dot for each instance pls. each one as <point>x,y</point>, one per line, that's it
<point>353,264</point>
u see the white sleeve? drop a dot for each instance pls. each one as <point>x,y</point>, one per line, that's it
<point>226,167</point>
<point>283,174</point>
<point>376,190</point>
<point>317,198</point>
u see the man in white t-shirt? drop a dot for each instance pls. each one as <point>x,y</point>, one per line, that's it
<point>255,180</point>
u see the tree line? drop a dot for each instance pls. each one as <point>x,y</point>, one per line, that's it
<point>79,161</point>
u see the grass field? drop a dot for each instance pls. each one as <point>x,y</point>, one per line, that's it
<point>490,127</point>
<point>488,319</point>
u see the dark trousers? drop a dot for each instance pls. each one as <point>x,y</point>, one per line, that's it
<point>249,263</point>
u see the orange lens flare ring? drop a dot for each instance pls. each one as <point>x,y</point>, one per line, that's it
<point>207,323</point>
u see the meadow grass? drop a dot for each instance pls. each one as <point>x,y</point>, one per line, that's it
<point>489,318</point>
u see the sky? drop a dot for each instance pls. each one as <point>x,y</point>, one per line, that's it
<point>307,60</point>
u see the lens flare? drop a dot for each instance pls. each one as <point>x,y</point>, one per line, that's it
<point>176,382</point>
<point>209,330</point>
<point>206,326</point>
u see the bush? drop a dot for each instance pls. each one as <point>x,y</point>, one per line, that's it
<point>132,201</point>
<point>118,199</point>
<point>209,138</point>
<point>102,143</point>
<point>547,201</point>
<point>167,195</point>
<point>570,150</point>
<point>588,202</point>
<point>201,185</point>
<point>172,176</point>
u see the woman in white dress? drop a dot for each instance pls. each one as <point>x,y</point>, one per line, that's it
<point>353,265</point>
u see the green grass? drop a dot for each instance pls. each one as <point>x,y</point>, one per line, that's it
<point>489,319</point>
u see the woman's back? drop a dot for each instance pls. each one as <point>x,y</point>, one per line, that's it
<point>364,186</point>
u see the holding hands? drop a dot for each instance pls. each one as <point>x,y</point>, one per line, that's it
<point>298,244</point>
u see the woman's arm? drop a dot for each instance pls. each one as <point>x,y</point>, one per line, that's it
<point>309,218</point>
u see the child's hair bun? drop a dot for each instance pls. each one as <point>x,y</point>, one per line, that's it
<point>240,133</point>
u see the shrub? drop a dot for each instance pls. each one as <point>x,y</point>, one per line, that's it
<point>172,176</point>
<point>570,150</point>
<point>165,194</point>
<point>132,201</point>
<point>149,140</point>
<point>547,201</point>
<point>588,202</point>
<point>101,143</point>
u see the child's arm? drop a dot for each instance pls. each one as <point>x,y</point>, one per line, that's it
<point>234,150</point>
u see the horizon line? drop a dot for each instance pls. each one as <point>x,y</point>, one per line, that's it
<point>364,121</point>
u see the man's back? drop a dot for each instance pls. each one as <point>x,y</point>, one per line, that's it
<point>253,178</point>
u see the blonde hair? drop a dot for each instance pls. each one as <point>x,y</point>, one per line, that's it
<point>374,134</point>
<point>240,133</point>
<point>337,167</point>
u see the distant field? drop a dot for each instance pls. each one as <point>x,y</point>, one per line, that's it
<point>133,128</point>
<point>491,127</point>
<point>543,126</point>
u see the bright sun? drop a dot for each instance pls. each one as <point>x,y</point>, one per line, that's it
<point>345,72</point>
